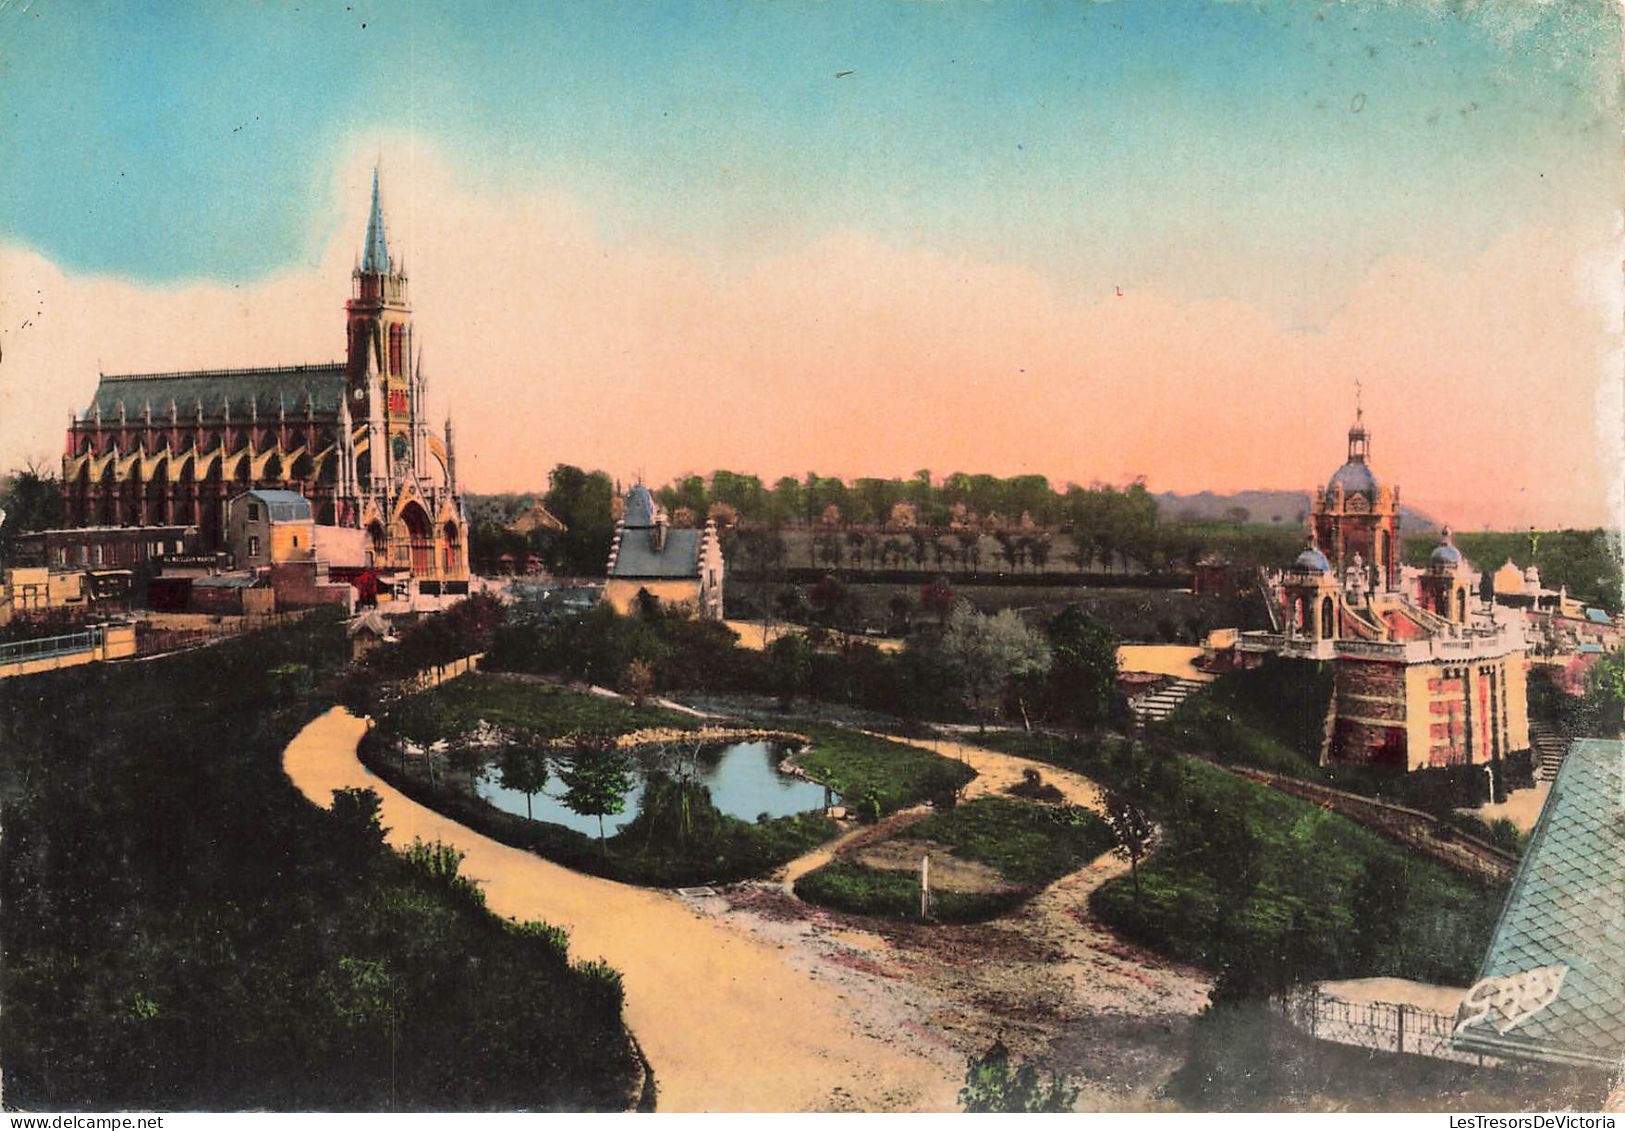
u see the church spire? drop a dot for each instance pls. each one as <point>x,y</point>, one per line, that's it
<point>1359,438</point>
<point>375,254</point>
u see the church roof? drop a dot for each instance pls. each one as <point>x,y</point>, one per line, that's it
<point>269,388</point>
<point>1355,478</point>
<point>679,558</point>
<point>1312,561</point>
<point>375,255</point>
<point>1562,927</point>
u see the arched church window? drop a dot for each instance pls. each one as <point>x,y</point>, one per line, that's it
<point>395,336</point>
<point>1327,621</point>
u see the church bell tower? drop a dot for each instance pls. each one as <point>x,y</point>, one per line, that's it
<point>380,357</point>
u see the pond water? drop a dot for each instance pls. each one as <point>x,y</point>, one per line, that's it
<point>743,778</point>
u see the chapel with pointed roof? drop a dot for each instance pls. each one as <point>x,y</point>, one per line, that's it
<point>351,436</point>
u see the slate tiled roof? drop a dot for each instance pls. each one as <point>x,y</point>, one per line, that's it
<point>283,506</point>
<point>1597,616</point>
<point>1567,909</point>
<point>640,508</point>
<point>284,386</point>
<point>679,558</point>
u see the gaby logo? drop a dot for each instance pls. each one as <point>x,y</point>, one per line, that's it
<point>1511,999</point>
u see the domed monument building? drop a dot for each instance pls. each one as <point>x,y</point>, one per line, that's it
<point>1426,674</point>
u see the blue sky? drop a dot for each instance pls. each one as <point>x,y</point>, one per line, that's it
<point>1186,143</point>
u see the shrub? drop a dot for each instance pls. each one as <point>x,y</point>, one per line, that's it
<point>991,1086</point>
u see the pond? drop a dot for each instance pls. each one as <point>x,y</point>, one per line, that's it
<point>743,778</point>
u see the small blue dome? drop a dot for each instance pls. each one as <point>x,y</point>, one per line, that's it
<point>1356,479</point>
<point>1444,554</point>
<point>1312,561</point>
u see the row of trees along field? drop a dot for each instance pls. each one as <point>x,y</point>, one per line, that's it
<point>964,522</point>
<point>967,523</point>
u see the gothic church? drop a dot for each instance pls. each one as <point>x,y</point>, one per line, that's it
<point>169,449</point>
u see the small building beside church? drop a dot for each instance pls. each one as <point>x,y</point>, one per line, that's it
<point>266,526</point>
<point>680,568</point>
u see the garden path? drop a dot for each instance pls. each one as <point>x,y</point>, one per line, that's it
<point>1047,976</point>
<point>996,771</point>
<point>727,1020</point>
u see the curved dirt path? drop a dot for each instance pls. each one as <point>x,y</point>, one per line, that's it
<point>728,1023</point>
<point>996,770</point>
<point>1048,979</point>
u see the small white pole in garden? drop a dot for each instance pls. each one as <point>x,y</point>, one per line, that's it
<point>925,885</point>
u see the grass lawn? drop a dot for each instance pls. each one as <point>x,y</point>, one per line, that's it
<point>875,776</point>
<point>1250,878</point>
<point>1028,845</point>
<point>545,710</point>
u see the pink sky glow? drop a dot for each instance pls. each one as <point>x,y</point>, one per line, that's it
<point>1491,385</point>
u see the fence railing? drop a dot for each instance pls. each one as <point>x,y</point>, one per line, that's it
<point>48,647</point>
<point>1385,1025</point>
<point>156,636</point>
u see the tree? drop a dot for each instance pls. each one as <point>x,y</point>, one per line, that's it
<point>523,769</point>
<point>937,597</point>
<point>1083,679</point>
<point>637,681</point>
<point>1377,905</point>
<point>356,812</point>
<point>597,777</point>
<point>1038,548</point>
<point>30,500</point>
<point>790,664</point>
<point>583,501</point>
<point>990,1086</point>
<point>1131,829</point>
<point>827,598</point>
<point>987,652</point>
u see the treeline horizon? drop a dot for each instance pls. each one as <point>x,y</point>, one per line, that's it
<point>1099,528</point>
<point>870,500</point>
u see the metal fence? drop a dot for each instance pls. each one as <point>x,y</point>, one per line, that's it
<point>47,647</point>
<point>1385,1025</point>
